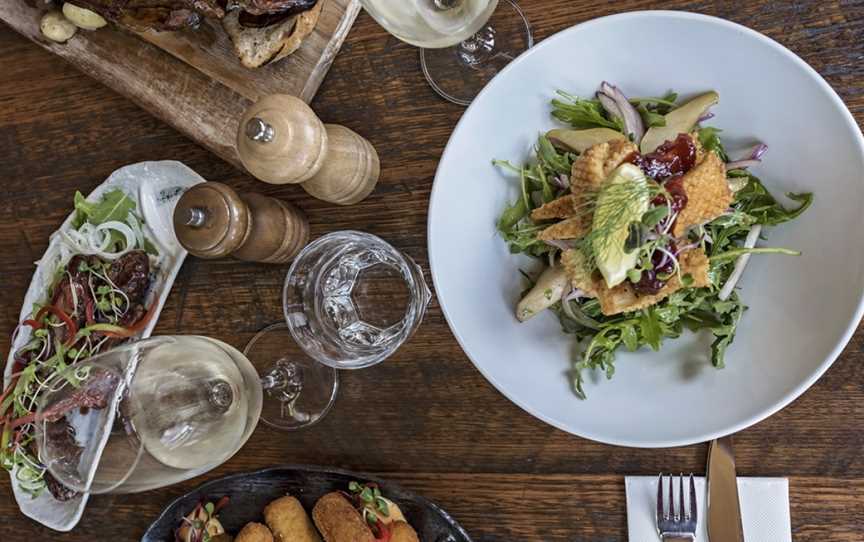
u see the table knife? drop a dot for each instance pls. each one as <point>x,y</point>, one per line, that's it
<point>724,510</point>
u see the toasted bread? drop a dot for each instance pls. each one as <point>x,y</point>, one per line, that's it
<point>259,46</point>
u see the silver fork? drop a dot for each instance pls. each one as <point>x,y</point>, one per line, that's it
<point>676,525</point>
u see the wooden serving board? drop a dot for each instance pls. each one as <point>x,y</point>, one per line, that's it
<point>192,79</point>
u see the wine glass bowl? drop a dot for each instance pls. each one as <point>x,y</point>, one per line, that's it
<point>464,43</point>
<point>148,414</point>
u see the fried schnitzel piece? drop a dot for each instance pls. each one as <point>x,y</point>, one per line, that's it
<point>708,193</point>
<point>572,228</point>
<point>593,166</point>
<point>289,522</point>
<point>578,272</point>
<point>254,532</point>
<point>563,207</point>
<point>623,298</point>
<point>338,521</point>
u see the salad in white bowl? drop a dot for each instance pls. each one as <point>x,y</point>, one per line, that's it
<point>644,223</point>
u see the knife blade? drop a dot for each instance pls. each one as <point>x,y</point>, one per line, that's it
<point>724,510</point>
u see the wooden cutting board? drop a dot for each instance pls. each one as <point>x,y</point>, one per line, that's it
<point>192,79</point>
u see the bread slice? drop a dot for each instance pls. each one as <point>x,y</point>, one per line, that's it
<point>259,46</point>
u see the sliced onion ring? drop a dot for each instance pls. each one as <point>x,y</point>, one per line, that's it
<point>740,263</point>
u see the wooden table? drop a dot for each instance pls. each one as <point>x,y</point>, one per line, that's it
<point>425,418</point>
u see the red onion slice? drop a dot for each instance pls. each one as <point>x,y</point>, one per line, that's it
<point>753,158</point>
<point>633,124</point>
<point>705,116</point>
<point>609,105</point>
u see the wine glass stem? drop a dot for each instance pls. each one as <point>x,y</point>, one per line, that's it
<point>286,380</point>
<point>479,49</point>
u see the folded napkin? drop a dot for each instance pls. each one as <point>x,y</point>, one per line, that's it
<point>764,509</point>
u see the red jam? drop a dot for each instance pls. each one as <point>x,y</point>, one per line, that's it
<point>672,158</point>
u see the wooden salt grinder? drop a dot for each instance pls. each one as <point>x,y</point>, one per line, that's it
<point>280,140</point>
<point>212,221</point>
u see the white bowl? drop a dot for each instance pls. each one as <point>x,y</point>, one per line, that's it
<point>802,310</point>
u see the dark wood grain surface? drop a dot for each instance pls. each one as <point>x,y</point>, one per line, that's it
<point>425,418</point>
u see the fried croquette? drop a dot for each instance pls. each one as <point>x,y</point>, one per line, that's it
<point>338,521</point>
<point>254,532</point>
<point>289,522</point>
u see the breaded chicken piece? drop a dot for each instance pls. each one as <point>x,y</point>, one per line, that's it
<point>579,274</point>
<point>402,532</point>
<point>700,150</point>
<point>623,298</point>
<point>254,532</point>
<point>563,207</point>
<point>593,166</point>
<point>572,228</point>
<point>289,522</point>
<point>708,193</point>
<point>338,521</point>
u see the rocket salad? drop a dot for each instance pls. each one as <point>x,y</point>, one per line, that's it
<point>643,222</point>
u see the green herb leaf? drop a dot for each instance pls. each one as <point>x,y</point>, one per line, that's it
<point>583,114</point>
<point>655,216</point>
<point>710,139</point>
<point>114,205</point>
<point>382,507</point>
<point>630,338</point>
<point>651,118</point>
<point>209,507</point>
<point>354,487</point>
<point>650,327</point>
<point>755,200</point>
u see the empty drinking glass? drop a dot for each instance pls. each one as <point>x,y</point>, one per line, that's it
<point>350,300</point>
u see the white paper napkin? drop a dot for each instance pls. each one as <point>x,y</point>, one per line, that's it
<point>764,509</point>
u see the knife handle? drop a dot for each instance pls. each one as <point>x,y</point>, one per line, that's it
<point>674,538</point>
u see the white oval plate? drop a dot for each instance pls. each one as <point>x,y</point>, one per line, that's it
<point>802,310</point>
<point>155,187</point>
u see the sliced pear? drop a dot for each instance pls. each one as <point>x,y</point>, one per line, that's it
<point>582,140</point>
<point>548,291</point>
<point>679,121</point>
<point>615,211</point>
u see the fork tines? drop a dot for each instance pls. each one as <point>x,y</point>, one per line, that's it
<point>671,519</point>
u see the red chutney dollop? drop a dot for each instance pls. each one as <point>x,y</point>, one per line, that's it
<point>672,158</point>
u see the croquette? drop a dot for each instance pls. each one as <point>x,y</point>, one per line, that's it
<point>289,522</point>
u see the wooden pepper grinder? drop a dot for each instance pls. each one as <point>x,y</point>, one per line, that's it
<point>212,221</point>
<point>280,140</point>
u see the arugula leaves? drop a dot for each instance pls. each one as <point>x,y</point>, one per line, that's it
<point>583,114</point>
<point>755,200</point>
<point>114,205</point>
<point>515,224</point>
<point>709,137</point>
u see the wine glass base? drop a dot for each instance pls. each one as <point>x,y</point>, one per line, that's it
<point>459,73</point>
<point>298,391</point>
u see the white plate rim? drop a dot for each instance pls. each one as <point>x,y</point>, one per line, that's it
<point>659,443</point>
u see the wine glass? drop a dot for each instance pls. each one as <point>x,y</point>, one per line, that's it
<point>147,414</point>
<point>155,412</point>
<point>464,43</point>
<point>350,300</point>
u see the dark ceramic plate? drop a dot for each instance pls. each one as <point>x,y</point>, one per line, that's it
<point>250,492</point>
